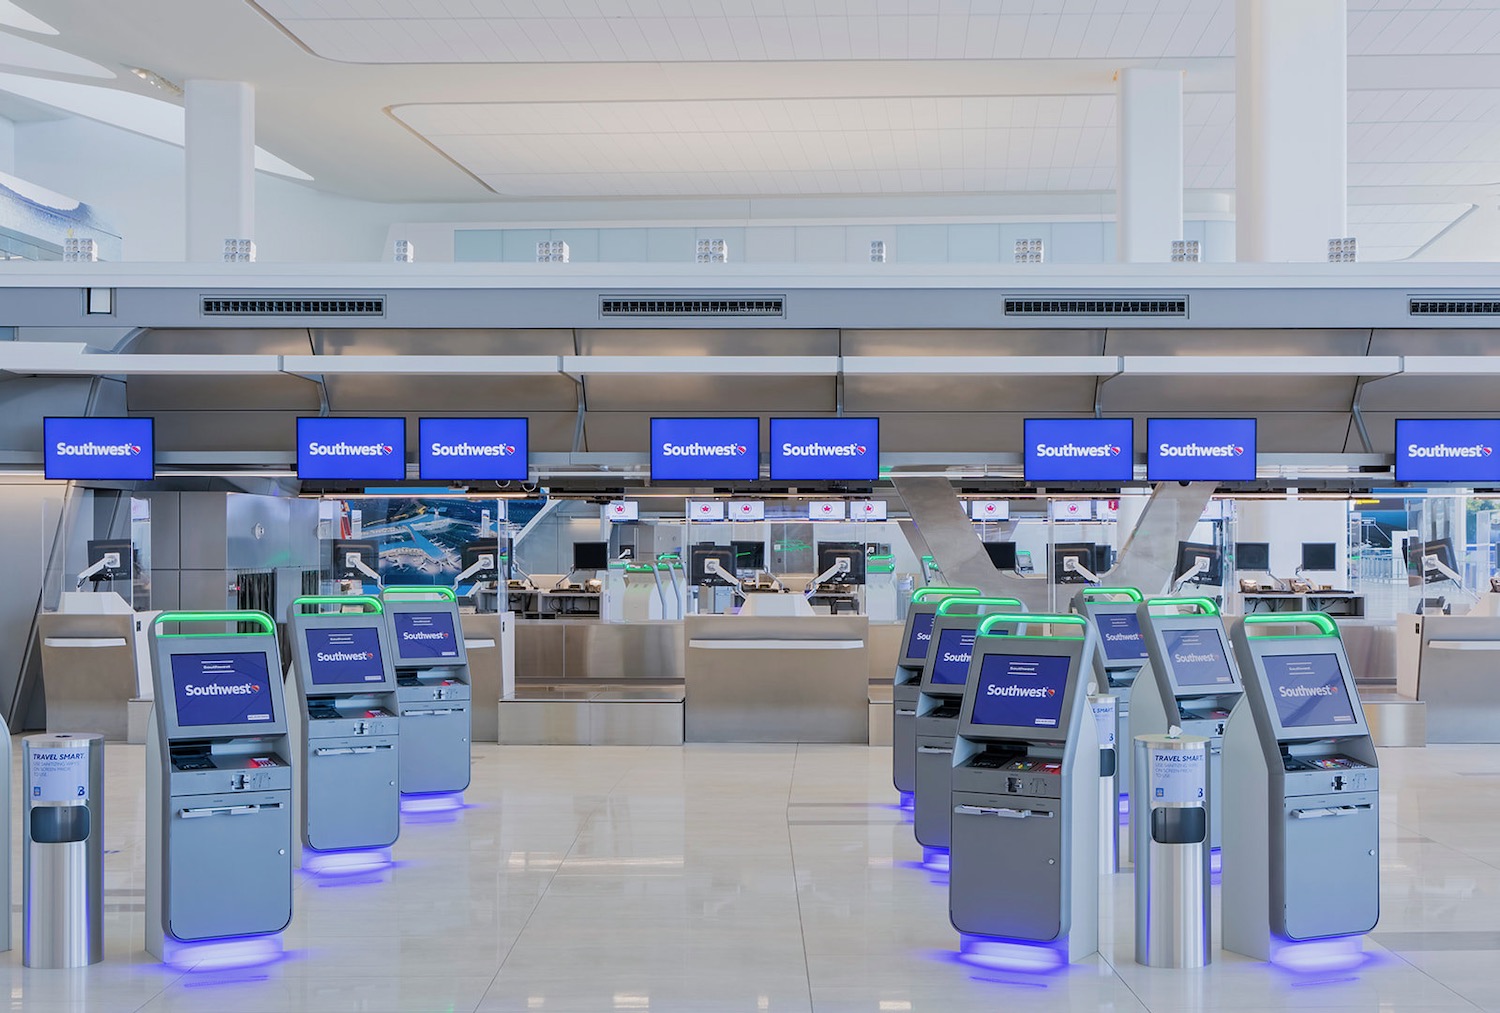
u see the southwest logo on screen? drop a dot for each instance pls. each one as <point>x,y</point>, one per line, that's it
<point>346,656</point>
<point>704,450</point>
<point>424,636</point>
<point>1448,450</point>
<point>1076,450</point>
<point>65,449</point>
<point>951,657</point>
<point>1200,450</point>
<point>342,449</point>
<point>215,689</point>
<point>1029,692</point>
<point>823,450</point>
<point>1306,691</point>
<point>1112,637</point>
<point>471,450</point>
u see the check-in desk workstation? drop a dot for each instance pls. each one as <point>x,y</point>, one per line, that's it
<point>1119,654</point>
<point>1452,665</point>
<point>432,691</point>
<point>921,613</point>
<point>1302,830</point>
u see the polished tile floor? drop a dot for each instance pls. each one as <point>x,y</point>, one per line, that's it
<point>708,878</point>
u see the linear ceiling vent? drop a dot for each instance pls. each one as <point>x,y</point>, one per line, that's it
<point>671,306</point>
<point>1430,306</point>
<point>1096,306</point>
<point>293,306</point>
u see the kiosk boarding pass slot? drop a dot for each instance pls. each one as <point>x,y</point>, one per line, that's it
<point>1302,842</point>
<point>920,615</point>
<point>432,670</point>
<point>219,774</point>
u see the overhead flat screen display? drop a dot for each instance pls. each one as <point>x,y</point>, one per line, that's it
<point>1198,658</point>
<point>1120,633</point>
<point>1021,690</point>
<point>344,656</point>
<point>351,450</point>
<point>222,689</point>
<point>950,663</point>
<point>1200,450</point>
<point>113,449</point>
<point>1309,690</point>
<point>1079,450</point>
<point>825,450</point>
<point>424,636</point>
<point>472,450</point>
<point>1447,450</point>
<point>703,450</point>
<point>921,636</point>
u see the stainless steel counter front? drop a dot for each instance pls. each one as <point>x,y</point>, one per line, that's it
<point>576,652</point>
<point>88,671</point>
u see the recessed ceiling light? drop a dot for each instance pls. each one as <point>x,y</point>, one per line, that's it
<point>156,81</point>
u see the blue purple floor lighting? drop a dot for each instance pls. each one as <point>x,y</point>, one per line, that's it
<point>432,802</point>
<point>350,862</point>
<point>1012,954</point>
<point>935,859</point>
<point>233,952</point>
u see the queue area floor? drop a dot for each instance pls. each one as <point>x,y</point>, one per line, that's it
<point>751,878</point>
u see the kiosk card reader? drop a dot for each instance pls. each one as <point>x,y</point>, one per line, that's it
<point>914,640</point>
<point>218,784</point>
<point>941,691</point>
<point>1191,682</point>
<point>1024,863</point>
<point>432,688</point>
<point>343,690</point>
<point>1302,840</point>
<point>1118,657</point>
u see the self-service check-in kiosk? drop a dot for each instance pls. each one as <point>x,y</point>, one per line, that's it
<point>345,728</point>
<point>1301,878</point>
<point>1024,861</point>
<point>941,691</point>
<point>1118,656</point>
<point>1191,682</point>
<point>218,786</point>
<point>432,691</point>
<point>914,640</point>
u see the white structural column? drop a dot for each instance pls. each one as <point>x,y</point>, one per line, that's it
<point>1291,128</point>
<point>1148,171</point>
<point>220,146</point>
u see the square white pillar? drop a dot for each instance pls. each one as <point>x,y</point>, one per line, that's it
<point>220,164</point>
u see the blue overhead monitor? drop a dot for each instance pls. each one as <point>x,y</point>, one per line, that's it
<point>472,450</point>
<point>1200,450</point>
<point>705,450</point>
<point>1448,450</point>
<point>1079,450</point>
<point>226,688</point>
<point>351,449</point>
<point>111,449</point>
<point>825,450</point>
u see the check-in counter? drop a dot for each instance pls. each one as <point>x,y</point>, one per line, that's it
<point>777,678</point>
<point>484,642</point>
<point>1449,663</point>
<point>90,663</point>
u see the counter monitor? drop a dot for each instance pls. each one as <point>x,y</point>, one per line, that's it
<point>1021,690</point>
<point>222,688</point>
<point>344,655</point>
<point>425,636</point>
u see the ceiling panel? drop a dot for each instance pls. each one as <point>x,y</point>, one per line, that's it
<point>749,395</point>
<point>961,342</point>
<point>865,394</point>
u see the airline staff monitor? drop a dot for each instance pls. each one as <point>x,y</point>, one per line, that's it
<point>825,450</point>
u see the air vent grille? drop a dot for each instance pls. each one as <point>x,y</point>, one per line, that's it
<point>1095,306</point>
<point>293,306</point>
<point>696,306</point>
<point>1425,307</point>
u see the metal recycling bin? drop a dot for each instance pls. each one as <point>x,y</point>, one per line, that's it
<point>1171,847</point>
<point>62,834</point>
<point>1102,706</point>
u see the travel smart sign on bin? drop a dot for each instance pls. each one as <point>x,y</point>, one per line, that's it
<point>357,450</point>
<point>59,775</point>
<point>697,450</point>
<point>472,450</point>
<point>112,449</point>
<point>1447,450</point>
<point>1200,450</point>
<point>825,450</point>
<point>1079,450</point>
<point>1178,775</point>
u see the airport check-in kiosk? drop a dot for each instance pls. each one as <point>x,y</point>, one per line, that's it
<point>1024,859</point>
<point>1191,682</point>
<point>432,688</point>
<point>343,690</point>
<point>218,783</point>
<point>940,693</point>
<point>920,615</point>
<point>1119,653</point>
<point>1302,839</point>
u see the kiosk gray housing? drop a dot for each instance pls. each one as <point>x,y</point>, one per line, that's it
<point>432,691</point>
<point>904,689</point>
<point>1113,673</point>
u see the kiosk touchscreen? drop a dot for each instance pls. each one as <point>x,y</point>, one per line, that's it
<point>1119,653</point>
<point>944,676</point>
<point>920,615</point>
<point>1302,841</point>
<point>343,690</point>
<point>432,689</point>
<point>218,784</point>
<point>1024,860</point>
<point>1190,682</point>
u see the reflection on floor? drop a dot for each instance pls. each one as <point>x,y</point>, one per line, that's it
<point>754,878</point>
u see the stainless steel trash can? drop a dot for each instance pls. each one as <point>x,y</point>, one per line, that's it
<point>62,835</point>
<point>1103,707</point>
<point>1171,848</point>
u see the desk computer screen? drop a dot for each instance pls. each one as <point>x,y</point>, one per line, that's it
<point>1021,690</point>
<point>222,689</point>
<point>1198,658</point>
<point>423,636</point>
<point>344,655</point>
<point>1121,635</point>
<point>921,636</point>
<point>1309,690</point>
<point>950,663</point>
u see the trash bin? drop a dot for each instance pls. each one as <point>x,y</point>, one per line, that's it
<point>1171,846</point>
<point>63,850</point>
<point>1103,707</point>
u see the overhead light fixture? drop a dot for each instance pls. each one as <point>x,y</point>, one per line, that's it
<point>156,81</point>
<point>713,251</point>
<point>552,251</point>
<point>1185,251</point>
<point>877,251</point>
<point>406,253</point>
<point>1030,251</point>
<point>1344,250</point>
